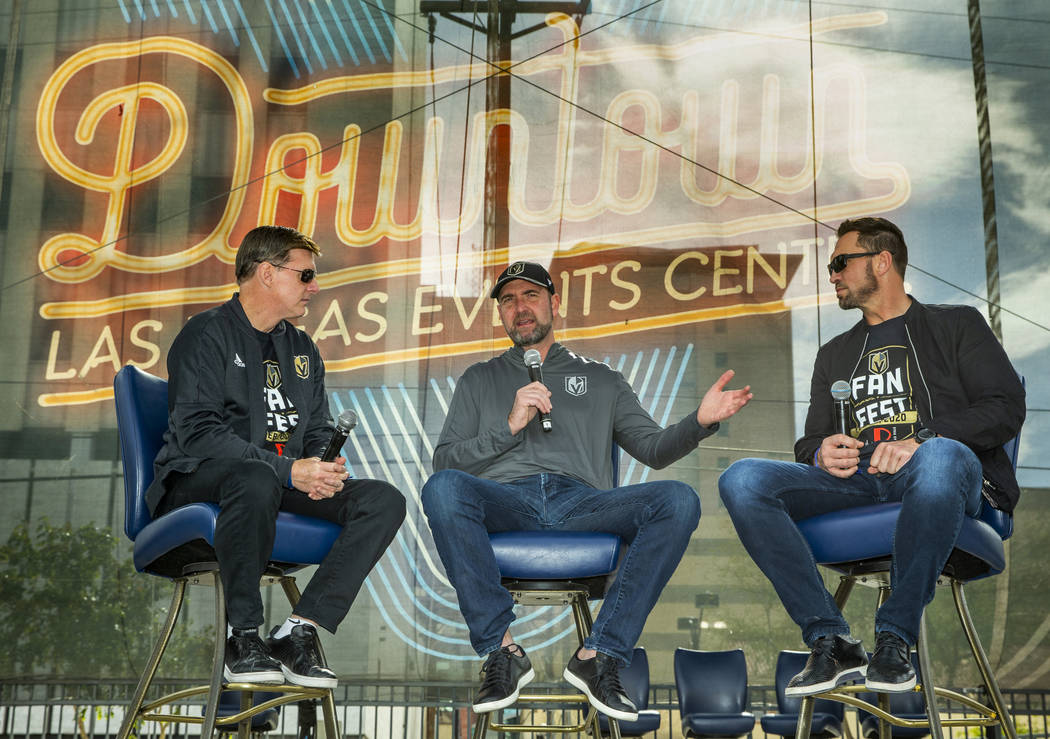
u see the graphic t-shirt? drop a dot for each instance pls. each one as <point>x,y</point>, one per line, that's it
<point>281,415</point>
<point>881,387</point>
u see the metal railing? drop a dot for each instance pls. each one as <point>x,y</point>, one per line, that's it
<point>79,709</point>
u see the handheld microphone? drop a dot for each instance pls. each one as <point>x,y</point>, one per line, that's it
<point>840,391</point>
<point>343,425</point>
<point>532,361</point>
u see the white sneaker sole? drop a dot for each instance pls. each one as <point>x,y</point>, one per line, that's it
<point>846,676</point>
<point>490,706</point>
<point>263,677</point>
<point>904,687</point>
<point>306,681</point>
<point>607,710</point>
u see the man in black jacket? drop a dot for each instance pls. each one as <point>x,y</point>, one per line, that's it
<point>248,420</point>
<point>933,399</point>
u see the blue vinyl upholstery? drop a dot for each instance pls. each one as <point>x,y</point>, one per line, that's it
<point>142,418</point>
<point>712,693</point>
<point>555,555</point>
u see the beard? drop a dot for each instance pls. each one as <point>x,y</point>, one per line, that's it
<point>538,333</point>
<point>857,297</point>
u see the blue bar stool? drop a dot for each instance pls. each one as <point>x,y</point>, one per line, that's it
<point>178,547</point>
<point>556,568</point>
<point>857,544</point>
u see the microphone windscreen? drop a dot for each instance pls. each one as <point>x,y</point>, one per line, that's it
<point>532,358</point>
<point>346,421</point>
<point>840,390</point>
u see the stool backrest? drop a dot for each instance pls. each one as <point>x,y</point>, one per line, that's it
<point>712,682</point>
<point>142,418</point>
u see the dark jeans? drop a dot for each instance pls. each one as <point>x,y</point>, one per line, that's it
<point>939,485</point>
<point>249,496</point>
<point>655,520</point>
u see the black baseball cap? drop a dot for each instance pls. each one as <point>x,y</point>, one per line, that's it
<point>528,271</point>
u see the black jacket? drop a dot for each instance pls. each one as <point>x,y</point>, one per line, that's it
<point>967,391</point>
<point>215,396</point>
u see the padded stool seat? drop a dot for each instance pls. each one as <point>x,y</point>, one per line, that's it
<point>555,555</point>
<point>866,533</point>
<point>297,539</point>
<point>545,568</point>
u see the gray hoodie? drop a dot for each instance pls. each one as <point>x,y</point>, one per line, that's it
<point>593,406</point>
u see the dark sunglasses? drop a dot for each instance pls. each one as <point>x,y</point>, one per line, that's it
<point>306,276</point>
<point>839,263</point>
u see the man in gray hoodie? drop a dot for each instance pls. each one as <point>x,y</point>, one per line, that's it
<point>497,469</point>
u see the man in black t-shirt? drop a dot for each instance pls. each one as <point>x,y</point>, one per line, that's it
<point>248,421</point>
<point>932,400</point>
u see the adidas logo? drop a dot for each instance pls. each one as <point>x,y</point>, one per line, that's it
<point>237,361</point>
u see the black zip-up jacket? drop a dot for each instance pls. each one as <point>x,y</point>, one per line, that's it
<point>967,388</point>
<point>215,396</point>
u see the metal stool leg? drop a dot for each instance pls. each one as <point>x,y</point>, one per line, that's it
<point>211,708</point>
<point>933,713</point>
<point>150,670</point>
<point>990,683</point>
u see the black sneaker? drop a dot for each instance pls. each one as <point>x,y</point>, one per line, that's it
<point>890,670</point>
<point>599,679</point>
<point>300,658</point>
<point>833,661</point>
<point>248,660</point>
<point>504,675</point>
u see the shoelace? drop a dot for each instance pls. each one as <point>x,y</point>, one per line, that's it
<point>897,646</point>
<point>252,646</point>
<point>609,680</point>
<point>496,669</point>
<point>305,642</point>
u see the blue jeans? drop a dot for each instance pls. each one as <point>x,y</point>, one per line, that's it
<point>654,519</point>
<point>939,485</point>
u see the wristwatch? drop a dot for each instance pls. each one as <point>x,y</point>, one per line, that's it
<point>924,434</point>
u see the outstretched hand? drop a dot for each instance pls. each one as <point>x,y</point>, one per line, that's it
<point>719,404</point>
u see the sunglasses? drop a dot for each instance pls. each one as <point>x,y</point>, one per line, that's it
<point>306,276</point>
<point>839,263</point>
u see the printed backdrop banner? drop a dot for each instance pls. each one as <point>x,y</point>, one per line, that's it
<point>678,166</point>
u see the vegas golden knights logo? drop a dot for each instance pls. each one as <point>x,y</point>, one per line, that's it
<point>516,269</point>
<point>273,375</point>
<point>302,366</point>
<point>878,363</point>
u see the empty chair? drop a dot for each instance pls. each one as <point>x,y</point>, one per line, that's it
<point>712,693</point>
<point>635,679</point>
<point>827,714</point>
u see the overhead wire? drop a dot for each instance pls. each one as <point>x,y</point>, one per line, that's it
<point>498,70</point>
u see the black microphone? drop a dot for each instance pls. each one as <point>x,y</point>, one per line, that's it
<point>533,361</point>
<point>840,391</point>
<point>343,425</point>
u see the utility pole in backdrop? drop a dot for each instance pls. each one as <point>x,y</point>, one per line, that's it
<point>500,17</point>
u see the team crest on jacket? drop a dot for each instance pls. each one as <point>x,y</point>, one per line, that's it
<point>273,374</point>
<point>302,366</point>
<point>576,384</point>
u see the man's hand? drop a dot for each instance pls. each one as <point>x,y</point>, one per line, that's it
<point>719,404</point>
<point>839,455</point>
<point>528,401</point>
<point>319,479</point>
<point>890,456</point>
